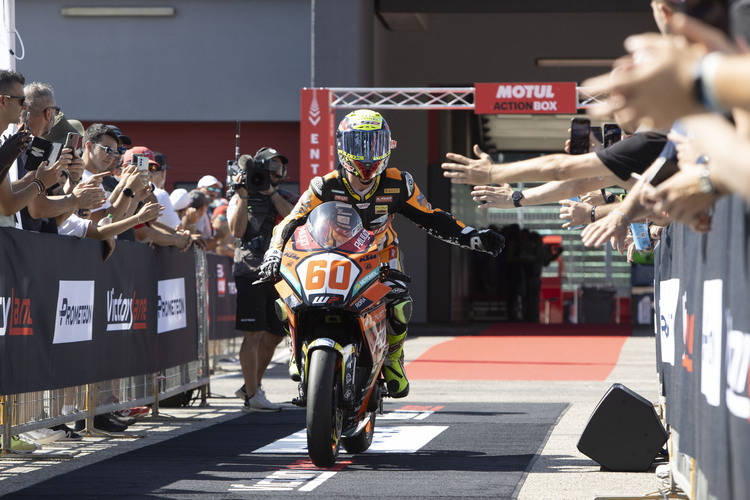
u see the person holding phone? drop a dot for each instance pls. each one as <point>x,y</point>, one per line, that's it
<point>18,190</point>
<point>41,213</point>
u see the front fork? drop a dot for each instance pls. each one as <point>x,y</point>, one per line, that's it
<point>347,356</point>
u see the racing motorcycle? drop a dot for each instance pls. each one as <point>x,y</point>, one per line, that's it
<point>332,293</point>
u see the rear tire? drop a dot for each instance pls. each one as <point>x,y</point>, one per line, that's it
<point>362,441</point>
<point>324,418</point>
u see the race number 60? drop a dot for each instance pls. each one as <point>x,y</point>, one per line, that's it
<point>336,274</point>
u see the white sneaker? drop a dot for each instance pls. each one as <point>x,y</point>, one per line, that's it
<point>259,402</point>
<point>43,436</point>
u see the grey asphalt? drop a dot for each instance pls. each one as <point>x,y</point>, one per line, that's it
<point>556,469</point>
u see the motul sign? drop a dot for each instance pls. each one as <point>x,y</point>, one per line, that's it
<point>316,135</point>
<point>525,98</point>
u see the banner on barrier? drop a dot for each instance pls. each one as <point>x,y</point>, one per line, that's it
<point>223,297</point>
<point>703,346</point>
<point>69,318</point>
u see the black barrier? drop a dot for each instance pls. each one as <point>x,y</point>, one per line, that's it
<point>222,293</point>
<point>68,318</point>
<point>703,346</point>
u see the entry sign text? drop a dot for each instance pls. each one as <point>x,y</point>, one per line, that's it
<point>525,98</point>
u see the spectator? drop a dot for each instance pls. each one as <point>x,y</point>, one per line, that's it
<point>211,187</point>
<point>225,244</point>
<point>62,126</point>
<point>252,217</point>
<point>15,141</point>
<point>100,155</point>
<point>169,216</point>
<point>123,139</point>
<point>137,188</point>
<point>42,210</point>
<point>195,211</point>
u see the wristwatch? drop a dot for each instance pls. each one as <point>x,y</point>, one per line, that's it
<point>707,187</point>
<point>128,192</point>
<point>517,196</point>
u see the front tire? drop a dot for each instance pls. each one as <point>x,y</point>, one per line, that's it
<point>324,418</point>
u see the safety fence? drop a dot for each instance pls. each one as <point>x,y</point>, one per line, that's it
<point>702,285</point>
<point>81,337</point>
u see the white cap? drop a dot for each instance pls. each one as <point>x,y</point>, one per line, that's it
<point>209,180</point>
<point>180,199</point>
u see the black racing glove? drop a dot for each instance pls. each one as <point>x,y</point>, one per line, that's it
<point>269,268</point>
<point>487,240</point>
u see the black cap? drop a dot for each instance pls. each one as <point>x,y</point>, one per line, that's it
<point>198,199</point>
<point>161,160</point>
<point>268,153</point>
<point>123,138</point>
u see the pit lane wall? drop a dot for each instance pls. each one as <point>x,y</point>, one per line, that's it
<point>96,336</point>
<point>702,286</point>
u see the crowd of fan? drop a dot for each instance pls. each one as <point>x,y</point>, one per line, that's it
<point>680,99</point>
<point>94,189</point>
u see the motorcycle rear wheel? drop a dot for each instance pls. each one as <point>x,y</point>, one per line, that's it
<point>324,418</point>
<point>362,441</point>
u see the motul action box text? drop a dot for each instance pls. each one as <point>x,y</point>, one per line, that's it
<point>525,98</point>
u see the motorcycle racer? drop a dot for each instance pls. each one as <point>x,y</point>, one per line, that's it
<point>364,180</point>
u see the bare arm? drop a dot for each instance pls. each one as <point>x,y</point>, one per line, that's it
<point>550,192</point>
<point>553,167</point>
<point>149,211</point>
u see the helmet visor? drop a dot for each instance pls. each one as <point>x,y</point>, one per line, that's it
<point>365,145</point>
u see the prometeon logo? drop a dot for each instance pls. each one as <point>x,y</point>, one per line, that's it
<point>15,315</point>
<point>75,312</point>
<point>171,312</point>
<point>125,313</point>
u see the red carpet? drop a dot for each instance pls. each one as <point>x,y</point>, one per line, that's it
<point>508,352</point>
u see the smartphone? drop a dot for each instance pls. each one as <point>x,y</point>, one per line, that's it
<point>134,159</point>
<point>72,141</point>
<point>597,132</point>
<point>641,238</point>
<point>25,118</point>
<point>663,169</point>
<point>612,134</point>
<point>142,163</point>
<point>580,128</point>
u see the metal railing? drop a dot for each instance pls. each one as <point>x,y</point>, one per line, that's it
<point>26,412</point>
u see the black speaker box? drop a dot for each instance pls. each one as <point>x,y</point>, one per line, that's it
<point>624,432</point>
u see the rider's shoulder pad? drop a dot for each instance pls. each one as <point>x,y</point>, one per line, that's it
<point>409,182</point>
<point>317,186</point>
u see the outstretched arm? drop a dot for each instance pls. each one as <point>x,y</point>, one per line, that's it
<point>555,167</point>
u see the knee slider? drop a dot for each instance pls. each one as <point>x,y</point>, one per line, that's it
<point>400,310</point>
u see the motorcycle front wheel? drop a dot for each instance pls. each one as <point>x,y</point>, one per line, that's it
<point>324,418</point>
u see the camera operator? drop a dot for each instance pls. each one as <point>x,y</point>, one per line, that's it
<point>256,206</point>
